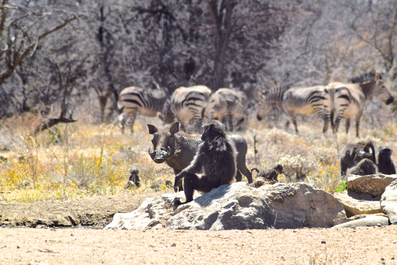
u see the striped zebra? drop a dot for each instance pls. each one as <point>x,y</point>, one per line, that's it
<point>348,100</point>
<point>225,104</point>
<point>297,100</point>
<point>146,102</point>
<point>185,104</point>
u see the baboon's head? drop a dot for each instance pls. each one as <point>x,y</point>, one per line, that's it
<point>212,130</point>
<point>385,153</point>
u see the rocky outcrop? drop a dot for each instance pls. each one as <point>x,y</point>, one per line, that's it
<point>238,206</point>
<point>373,185</point>
<point>357,203</point>
<point>388,202</point>
<point>364,198</point>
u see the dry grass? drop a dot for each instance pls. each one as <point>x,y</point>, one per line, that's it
<point>78,160</point>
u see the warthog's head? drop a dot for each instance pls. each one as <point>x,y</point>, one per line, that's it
<point>163,143</point>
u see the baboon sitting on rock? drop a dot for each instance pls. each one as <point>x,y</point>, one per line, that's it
<point>364,167</point>
<point>385,164</point>
<point>215,158</point>
<point>353,153</point>
<point>267,175</point>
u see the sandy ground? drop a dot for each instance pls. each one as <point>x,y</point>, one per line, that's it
<point>74,245</point>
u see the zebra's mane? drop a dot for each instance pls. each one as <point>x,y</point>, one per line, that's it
<point>364,77</point>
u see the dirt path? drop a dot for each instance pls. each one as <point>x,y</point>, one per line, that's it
<point>362,245</point>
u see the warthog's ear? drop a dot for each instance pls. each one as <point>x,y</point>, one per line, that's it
<point>152,129</point>
<point>174,128</point>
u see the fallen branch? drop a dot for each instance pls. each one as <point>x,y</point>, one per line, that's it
<point>49,123</point>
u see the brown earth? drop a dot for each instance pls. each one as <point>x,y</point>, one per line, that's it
<point>64,234</point>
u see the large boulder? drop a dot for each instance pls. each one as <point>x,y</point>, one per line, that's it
<point>388,202</point>
<point>358,203</point>
<point>373,185</point>
<point>238,206</point>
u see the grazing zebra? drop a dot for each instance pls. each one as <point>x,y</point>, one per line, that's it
<point>348,100</point>
<point>134,100</point>
<point>187,103</point>
<point>224,104</point>
<point>297,100</point>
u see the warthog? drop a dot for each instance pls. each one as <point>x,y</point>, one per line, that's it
<point>177,149</point>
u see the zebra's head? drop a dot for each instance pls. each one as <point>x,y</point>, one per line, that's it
<point>264,107</point>
<point>377,88</point>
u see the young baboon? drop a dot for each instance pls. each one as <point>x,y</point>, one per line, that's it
<point>385,164</point>
<point>215,158</point>
<point>133,179</point>
<point>270,173</point>
<point>351,154</point>
<point>364,167</point>
<point>267,176</point>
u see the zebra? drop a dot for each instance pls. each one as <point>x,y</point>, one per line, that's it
<point>134,100</point>
<point>187,103</point>
<point>226,103</point>
<point>292,101</point>
<point>348,100</point>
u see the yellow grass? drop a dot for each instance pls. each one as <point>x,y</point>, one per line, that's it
<point>78,160</point>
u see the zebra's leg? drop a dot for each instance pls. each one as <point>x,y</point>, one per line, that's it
<point>295,124</point>
<point>326,121</point>
<point>132,120</point>
<point>337,122</point>
<point>347,125</point>
<point>358,117</point>
<point>122,122</point>
<point>292,117</point>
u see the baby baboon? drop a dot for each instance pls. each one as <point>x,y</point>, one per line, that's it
<point>385,164</point>
<point>364,167</point>
<point>271,173</point>
<point>351,154</point>
<point>215,158</point>
<point>133,179</point>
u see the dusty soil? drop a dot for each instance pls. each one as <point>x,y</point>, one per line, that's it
<point>65,233</point>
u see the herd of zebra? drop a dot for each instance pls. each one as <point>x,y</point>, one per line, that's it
<point>331,102</point>
<point>185,104</point>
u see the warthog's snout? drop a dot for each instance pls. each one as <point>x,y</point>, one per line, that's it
<point>390,100</point>
<point>160,155</point>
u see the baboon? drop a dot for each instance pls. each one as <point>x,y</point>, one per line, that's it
<point>133,179</point>
<point>215,158</point>
<point>364,167</point>
<point>351,154</point>
<point>268,176</point>
<point>385,164</point>
<point>271,173</point>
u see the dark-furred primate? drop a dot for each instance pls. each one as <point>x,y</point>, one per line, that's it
<point>270,174</point>
<point>385,164</point>
<point>351,154</point>
<point>133,179</point>
<point>363,168</point>
<point>215,158</point>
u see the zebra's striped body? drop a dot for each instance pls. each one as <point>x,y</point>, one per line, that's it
<point>348,100</point>
<point>187,103</point>
<point>224,104</point>
<point>297,100</point>
<point>146,102</point>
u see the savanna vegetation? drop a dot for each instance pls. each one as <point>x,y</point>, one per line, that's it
<point>79,159</point>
